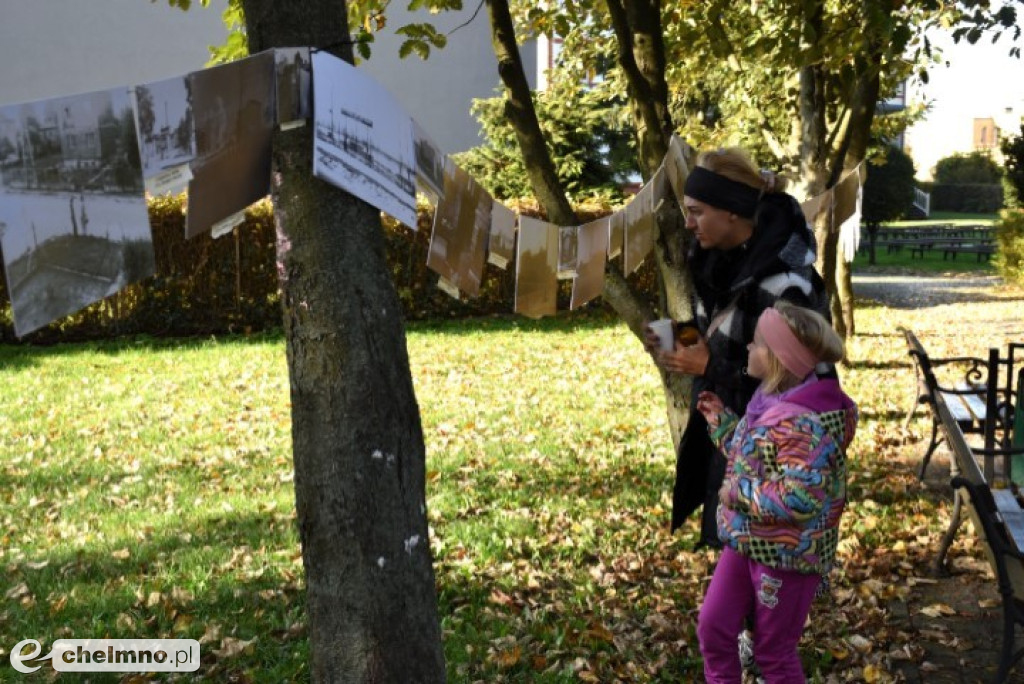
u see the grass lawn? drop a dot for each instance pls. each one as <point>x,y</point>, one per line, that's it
<point>147,493</point>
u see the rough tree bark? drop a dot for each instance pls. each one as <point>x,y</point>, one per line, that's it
<point>356,432</point>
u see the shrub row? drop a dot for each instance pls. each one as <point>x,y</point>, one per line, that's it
<point>969,198</point>
<point>208,286</point>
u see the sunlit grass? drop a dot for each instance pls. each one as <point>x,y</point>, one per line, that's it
<point>147,492</point>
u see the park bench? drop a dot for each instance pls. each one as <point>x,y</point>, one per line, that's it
<point>997,517</point>
<point>983,397</point>
<point>981,250</point>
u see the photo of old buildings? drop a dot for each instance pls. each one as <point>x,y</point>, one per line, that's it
<point>73,221</point>
<point>294,85</point>
<point>166,130</point>
<point>363,138</point>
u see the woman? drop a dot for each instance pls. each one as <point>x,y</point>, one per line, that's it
<point>752,247</point>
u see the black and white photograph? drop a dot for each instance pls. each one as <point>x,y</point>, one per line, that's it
<point>430,161</point>
<point>639,235</point>
<point>166,134</point>
<point>616,227</point>
<point>294,85</point>
<point>234,109</point>
<point>458,242</point>
<point>501,246</point>
<point>592,251</point>
<point>363,141</point>
<point>567,252</point>
<point>74,227</point>
<point>537,268</point>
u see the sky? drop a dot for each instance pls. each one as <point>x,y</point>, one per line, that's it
<point>982,80</point>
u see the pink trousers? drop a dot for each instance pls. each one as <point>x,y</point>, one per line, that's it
<point>778,600</point>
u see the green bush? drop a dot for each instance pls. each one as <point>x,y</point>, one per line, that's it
<point>967,198</point>
<point>1012,148</point>
<point>1009,258</point>
<point>889,188</point>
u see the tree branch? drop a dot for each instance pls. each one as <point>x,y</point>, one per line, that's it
<point>523,116</point>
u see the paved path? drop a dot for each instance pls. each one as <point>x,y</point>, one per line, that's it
<point>913,291</point>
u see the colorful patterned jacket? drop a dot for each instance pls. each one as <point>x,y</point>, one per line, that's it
<point>785,481</point>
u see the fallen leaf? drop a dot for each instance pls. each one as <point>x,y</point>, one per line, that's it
<point>231,647</point>
<point>937,610</point>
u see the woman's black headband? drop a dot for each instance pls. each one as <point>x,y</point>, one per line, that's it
<point>721,192</point>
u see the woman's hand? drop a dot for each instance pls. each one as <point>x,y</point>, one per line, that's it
<point>692,359</point>
<point>652,343</point>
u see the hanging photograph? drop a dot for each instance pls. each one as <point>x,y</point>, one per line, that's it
<point>166,134</point>
<point>847,207</point>
<point>501,246</point>
<point>233,105</point>
<point>294,86</point>
<point>429,164</point>
<point>592,250</point>
<point>814,207</point>
<point>536,268</point>
<point>363,140</point>
<point>73,221</point>
<point>567,252</point>
<point>661,191</point>
<point>616,227</point>
<point>639,238</point>
<point>675,166</point>
<point>458,242</point>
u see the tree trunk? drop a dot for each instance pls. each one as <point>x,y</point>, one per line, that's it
<point>356,434</point>
<point>641,56</point>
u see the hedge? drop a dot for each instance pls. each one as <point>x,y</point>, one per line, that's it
<point>209,286</point>
<point>969,198</point>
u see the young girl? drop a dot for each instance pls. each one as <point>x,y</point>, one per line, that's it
<point>782,497</point>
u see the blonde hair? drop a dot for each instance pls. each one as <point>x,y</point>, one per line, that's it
<point>814,332</point>
<point>735,164</point>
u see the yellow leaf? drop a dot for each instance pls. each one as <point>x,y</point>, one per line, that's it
<point>871,674</point>
<point>121,554</point>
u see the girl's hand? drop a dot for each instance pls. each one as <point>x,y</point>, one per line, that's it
<point>711,407</point>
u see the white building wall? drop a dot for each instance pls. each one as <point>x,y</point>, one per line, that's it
<point>51,48</point>
<point>438,92</point>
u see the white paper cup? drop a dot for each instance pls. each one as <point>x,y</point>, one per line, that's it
<point>663,329</point>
